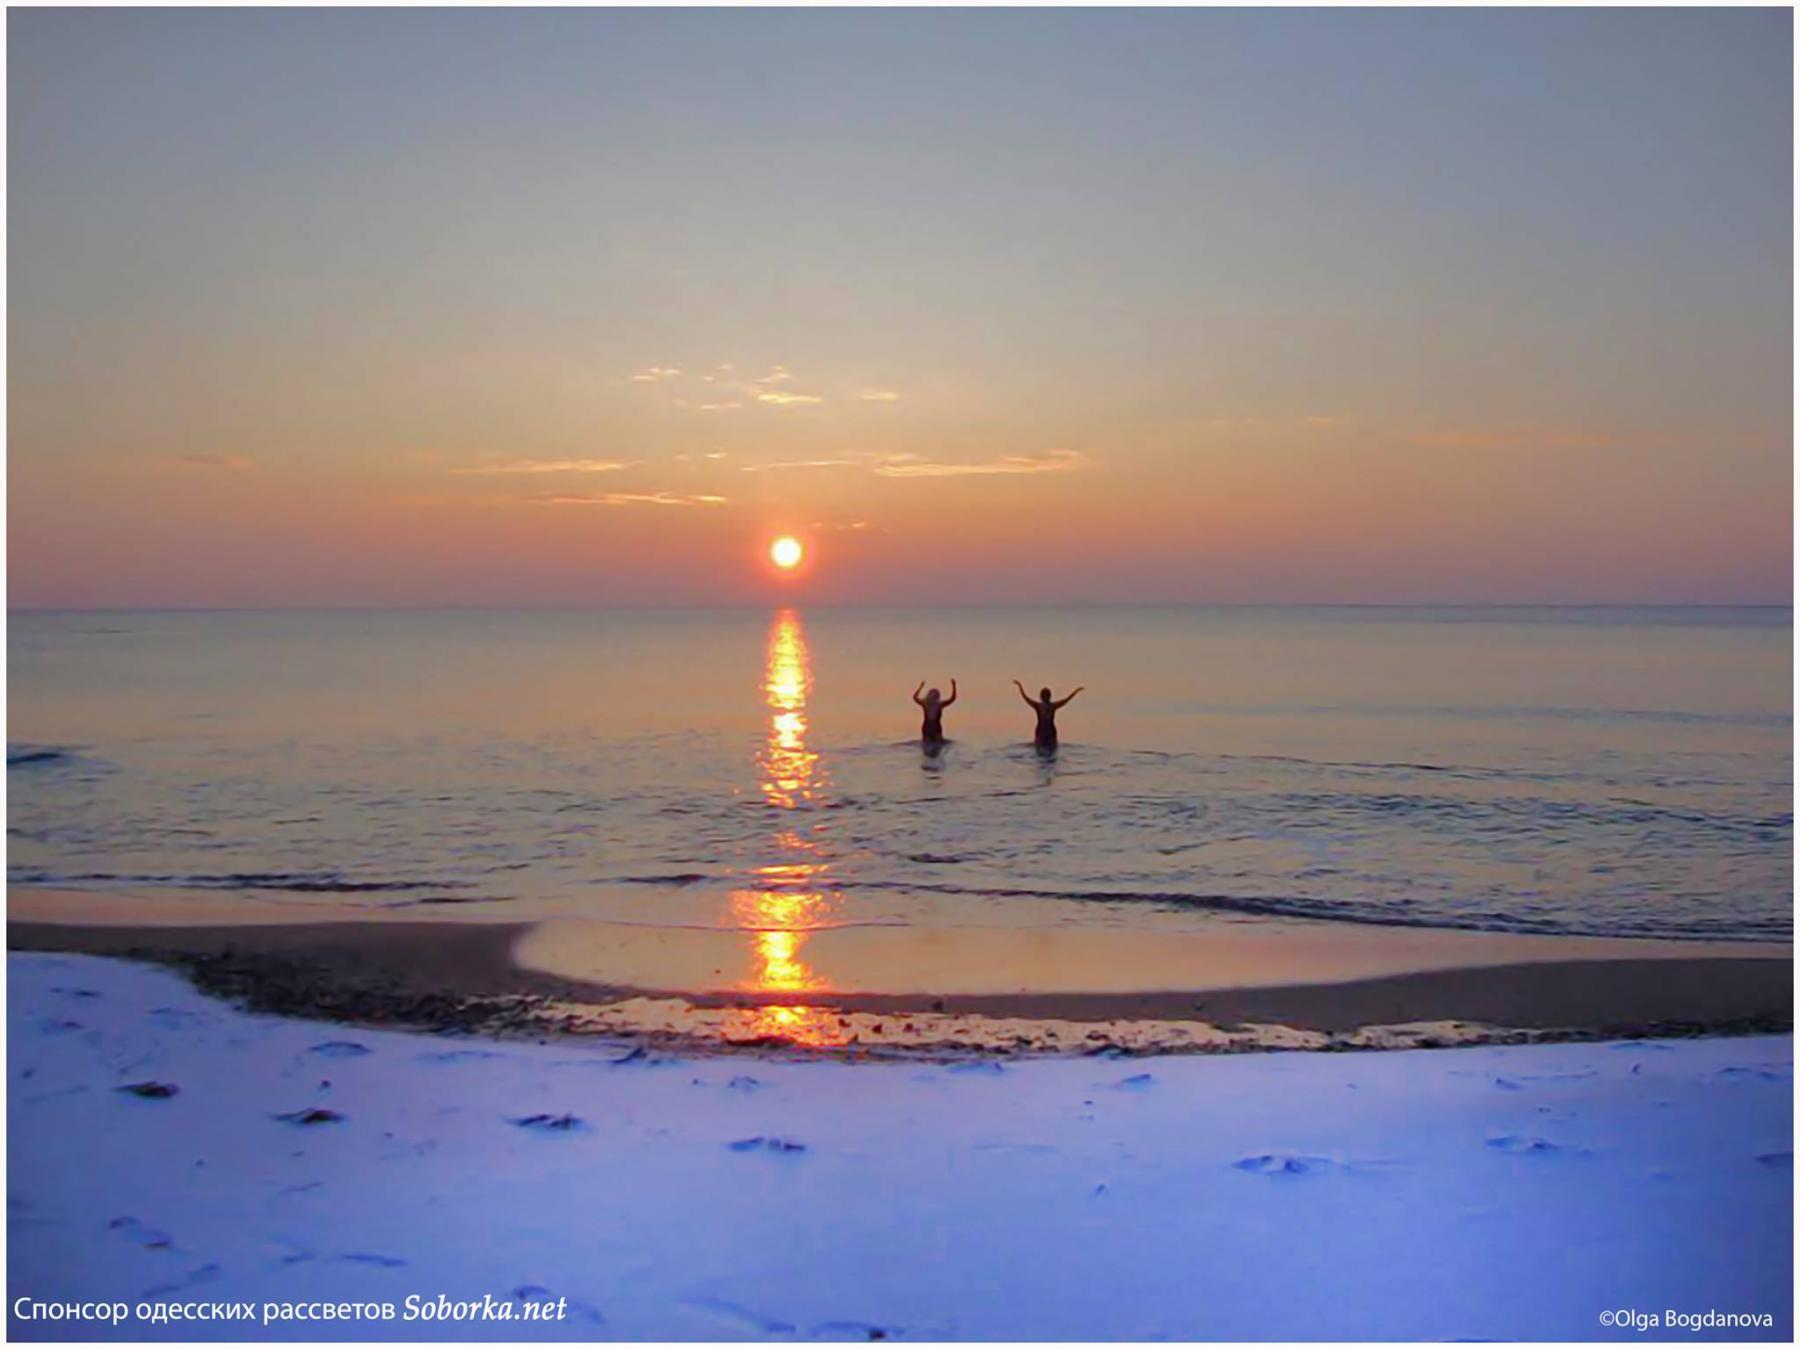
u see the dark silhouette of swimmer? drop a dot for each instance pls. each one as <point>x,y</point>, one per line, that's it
<point>934,703</point>
<point>1045,706</point>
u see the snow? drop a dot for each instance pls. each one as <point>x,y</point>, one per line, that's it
<point>1504,1192</point>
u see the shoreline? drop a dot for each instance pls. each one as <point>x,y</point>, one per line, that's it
<point>1252,986</point>
<point>654,1197</point>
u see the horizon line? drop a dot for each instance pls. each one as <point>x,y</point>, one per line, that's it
<point>795,603</point>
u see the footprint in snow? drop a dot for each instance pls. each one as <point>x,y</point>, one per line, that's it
<point>1283,1164</point>
<point>150,1238</point>
<point>852,1330</point>
<point>371,1258</point>
<point>551,1124</point>
<point>587,1311</point>
<point>761,1144</point>
<point>314,1115</point>
<point>742,1317</point>
<point>1777,1161</point>
<point>638,1058</point>
<point>340,1049</point>
<point>535,1292</point>
<point>150,1091</point>
<point>1527,1145</point>
<point>1750,1074</point>
<point>1136,1082</point>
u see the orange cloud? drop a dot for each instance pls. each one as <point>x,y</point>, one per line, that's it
<point>550,466</point>
<point>629,499</point>
<point>1052,461</point>
<point>781,464</point>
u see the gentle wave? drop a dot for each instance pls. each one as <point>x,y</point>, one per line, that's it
<point>1372,913</point>
<point>323,883</point>
<point>26,756</point>
<point>1541,771</point>
<point>1667,716</point>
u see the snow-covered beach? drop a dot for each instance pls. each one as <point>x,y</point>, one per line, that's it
<point>1488,1192</point>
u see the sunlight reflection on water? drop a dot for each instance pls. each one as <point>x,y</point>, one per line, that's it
<point>790,896</point>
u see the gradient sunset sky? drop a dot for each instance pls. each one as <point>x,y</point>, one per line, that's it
<point>553,307</point>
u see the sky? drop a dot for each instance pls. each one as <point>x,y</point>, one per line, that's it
<point>338,308</point>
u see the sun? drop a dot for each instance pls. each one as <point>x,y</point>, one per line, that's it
<point>786,552</point>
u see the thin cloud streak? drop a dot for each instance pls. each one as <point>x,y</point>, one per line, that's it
<point>781,465</point>
<point>548,466</point>
<point>1054,461</point>
<point>629,499</point>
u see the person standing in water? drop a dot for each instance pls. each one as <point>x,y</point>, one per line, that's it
<point>934,703</point>
<point>1045,706</point>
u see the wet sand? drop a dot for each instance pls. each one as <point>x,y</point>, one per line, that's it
<point>1235,985</point>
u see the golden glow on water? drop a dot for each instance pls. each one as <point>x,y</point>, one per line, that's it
<point>810,1027</point>
<point>789,899</point>
<point>787,764</point>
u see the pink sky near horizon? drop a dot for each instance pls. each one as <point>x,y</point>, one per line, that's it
<point>1128,344</point>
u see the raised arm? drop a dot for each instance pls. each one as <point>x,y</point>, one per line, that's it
<point>917,691</point>
<point>1062,702</point>
<point>952,697</point>
<point>1030,701</point>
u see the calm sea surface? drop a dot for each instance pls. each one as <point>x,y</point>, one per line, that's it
<point>1608,771</point>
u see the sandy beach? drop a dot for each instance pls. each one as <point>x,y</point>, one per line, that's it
<point>170,1151</point>
<point>1244,985</point>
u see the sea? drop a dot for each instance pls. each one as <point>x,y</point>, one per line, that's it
<point>1601,771</point>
